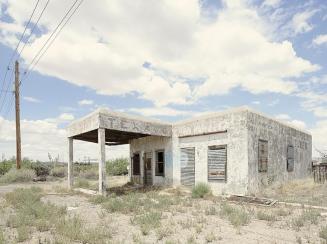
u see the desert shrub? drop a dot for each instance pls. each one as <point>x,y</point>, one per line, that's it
<point>311,215</point>
<point>237,216</point>
<point>163,232</point>
<point>71,228</point>
<point>41,169</point>
<point>210,237</point>
<point>117,166</point>
<point>323,233</point>
<point>59,172</point>
<point>308,215</point>
<point>147,221</point>
<point>20,175</point>
<point>82,183</point>
<point>2,237</point>
<point>23,233</point>
<point>261,215</point>
<point>200,190</point>
<point>135,202</point>
<point>5,166</point>
<point>283,212</point>
<point>211,210</point>
<point>91,174</point>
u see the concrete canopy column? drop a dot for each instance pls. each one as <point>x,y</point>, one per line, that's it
<point>70,163</point>
<point>102,160</point>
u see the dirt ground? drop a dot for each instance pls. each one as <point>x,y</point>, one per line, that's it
<point>189,221</point>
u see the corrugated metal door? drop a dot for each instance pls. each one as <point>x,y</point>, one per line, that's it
<point>187,166</point>
<point>217,161</point>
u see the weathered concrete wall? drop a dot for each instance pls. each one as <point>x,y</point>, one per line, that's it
<point>237,154</point>
<point>86,124</point>
<point>152,144</point>
<point>279,136</point>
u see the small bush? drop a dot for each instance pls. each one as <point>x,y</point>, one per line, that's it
<point>82,183</point>
<point>147,221</point>
<point>23,233</point>
<point>236,216</point>
<point>20,175</point>
<point>200,190</point>
<point>283,212</point>
<point>210,237</point>
<point>5,166</point>
<point>311,215</point>
<point>2,237</point>
<point>163,232</point>
<point>323,233</point>
<point>71,228</point>
<point>41,169</point>
<point>117,166</point>
<point>91,174</point>
<point>211,210</point>
<point>298,222</point>
<point>59,172</point>
<point>261,215</point>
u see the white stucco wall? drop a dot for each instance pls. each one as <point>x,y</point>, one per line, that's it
<point>152,144</point>
<point>240,130</point>
<point>279,136</point>
<point>237,154</point>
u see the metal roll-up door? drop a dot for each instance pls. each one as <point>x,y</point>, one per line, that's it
<point>188,166</point>
<point>217,161</point>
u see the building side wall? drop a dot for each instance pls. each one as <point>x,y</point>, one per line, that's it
<point>279,136</point>
<point>236,140</point>
<point>152,144</point>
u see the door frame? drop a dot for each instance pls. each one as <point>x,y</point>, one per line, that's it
<point>145,167</point>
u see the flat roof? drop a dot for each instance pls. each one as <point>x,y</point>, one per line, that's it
<point>122,127</point>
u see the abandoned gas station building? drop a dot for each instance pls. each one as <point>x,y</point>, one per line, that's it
<point>236,152</point>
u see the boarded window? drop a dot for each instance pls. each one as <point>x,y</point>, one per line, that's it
<point>136,164</point>
<point>217,162</point>
<point>263,156</point>
<point>160,163</point>
<point>290,158</point>
<point>187,166</point>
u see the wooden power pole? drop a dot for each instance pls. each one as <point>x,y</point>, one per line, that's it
<point>17,108</point>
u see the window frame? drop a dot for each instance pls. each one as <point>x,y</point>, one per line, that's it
<point>139,167</point>
<point>288,158</point>
<point>224,146</point>
<point>157,163</point>
<point>262,169</point>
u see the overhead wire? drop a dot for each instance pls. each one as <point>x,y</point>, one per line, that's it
<point>33,29</point>
<point>45,46</point>
<point>13,55</point>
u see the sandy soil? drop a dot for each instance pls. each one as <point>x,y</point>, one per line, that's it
<point>183,224</point>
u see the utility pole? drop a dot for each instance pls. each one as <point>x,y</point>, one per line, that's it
<point>17,108</point>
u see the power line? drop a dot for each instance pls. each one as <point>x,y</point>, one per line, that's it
<point>7,89</point>
<point>14,53</point>
<point>35,25</point>
<point>57,34</point>
<point>37,55</point>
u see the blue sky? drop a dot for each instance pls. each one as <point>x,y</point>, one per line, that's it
<point>166,60</point>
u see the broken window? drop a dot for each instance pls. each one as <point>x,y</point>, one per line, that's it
<point>217,162</point>
<point>136,164</point>
<point>263,156</point>
<point>290,158</point>
<point>160,163</point>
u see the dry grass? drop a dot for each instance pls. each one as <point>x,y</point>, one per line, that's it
<point>14,175</point>
<point>304,191</point>
<point>237,216</point>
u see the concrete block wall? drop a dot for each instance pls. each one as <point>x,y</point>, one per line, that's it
<point>279,136</point>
